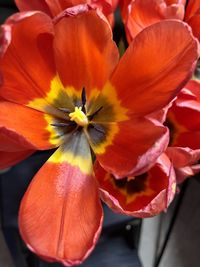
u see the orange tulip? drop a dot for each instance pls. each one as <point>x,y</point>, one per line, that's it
<point>64,88</point>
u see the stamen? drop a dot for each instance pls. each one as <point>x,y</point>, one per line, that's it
<point>98,128</point>
<point>90,117</point>
<point>83,99</point>
<point>65,110</point>
<point>62,124</point>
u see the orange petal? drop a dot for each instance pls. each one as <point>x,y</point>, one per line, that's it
<point>139,15</point>
<point>133,148</point>
<point>58,6</point>
<point>143,13</point>
<point>24,127</point>
<point>60,215</point>
<point>155,64</point>
<point>8,159</point>
<point>53,8</point>
<point>27,64</point>
<point>141,196</point>
<point>25,5</point>
<point>84,42</point>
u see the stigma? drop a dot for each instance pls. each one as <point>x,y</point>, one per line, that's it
<point>79,117</point>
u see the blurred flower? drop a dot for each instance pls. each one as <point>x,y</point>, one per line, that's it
<point>64,87</point>
<point>139,14</point>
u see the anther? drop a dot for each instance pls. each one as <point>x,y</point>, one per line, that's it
<point>98,128</point>
<point>62,124</point>
<point>90,117</point>
<point>83,99</point>
<point>65,110</point>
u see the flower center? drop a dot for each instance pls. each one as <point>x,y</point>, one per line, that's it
<point>79,116</point>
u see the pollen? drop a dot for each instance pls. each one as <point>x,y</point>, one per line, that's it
<point>79,116</point>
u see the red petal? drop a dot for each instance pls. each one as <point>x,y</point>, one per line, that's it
<point>183,156</point>
<point>194,24</point>
<point>4,39</point>
<point>191,88</point>
<point>186,172</point>
<point>185,161</point>
<point>133,149</point>
<point>27,65</point>
<point>141,196</point>
<point>8,159</point>
<point>184,120</point>
<point>192,8</point>
<point>60,216</point>
<point>24,127</point>
<point>84,42</point>
<point>151,66</point>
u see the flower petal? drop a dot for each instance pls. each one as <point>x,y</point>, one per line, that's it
<point>140,196</point>
<point>60,215</point>
<point>53,8</point>
<point>140,14</point>
<point>186,172</point>
<point>8,159</point>
<point>183,120</point>
<point>129,146</point>
<point>27,65</point>
<point>84,42</point>
<point>25,128</point>
<point>39,5</point>
<point>156,63</point>
<point>58,6</point>
<point>194,24</point>
<point>193,7</point>
<point>183,156</point>
<point>185,161</point>
<point>143,13</point>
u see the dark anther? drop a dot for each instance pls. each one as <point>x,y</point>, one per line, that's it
<point>90,117</point>
<point>98,128</point>
<point>65,110</point>
<point>83,99</point>
<point>62,124</point>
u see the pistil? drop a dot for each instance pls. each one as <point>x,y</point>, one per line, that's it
<point>79,117</point>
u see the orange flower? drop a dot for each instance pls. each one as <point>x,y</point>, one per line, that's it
<point>139,14</point>
<point>54,7</point>
<point>64,88</point>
